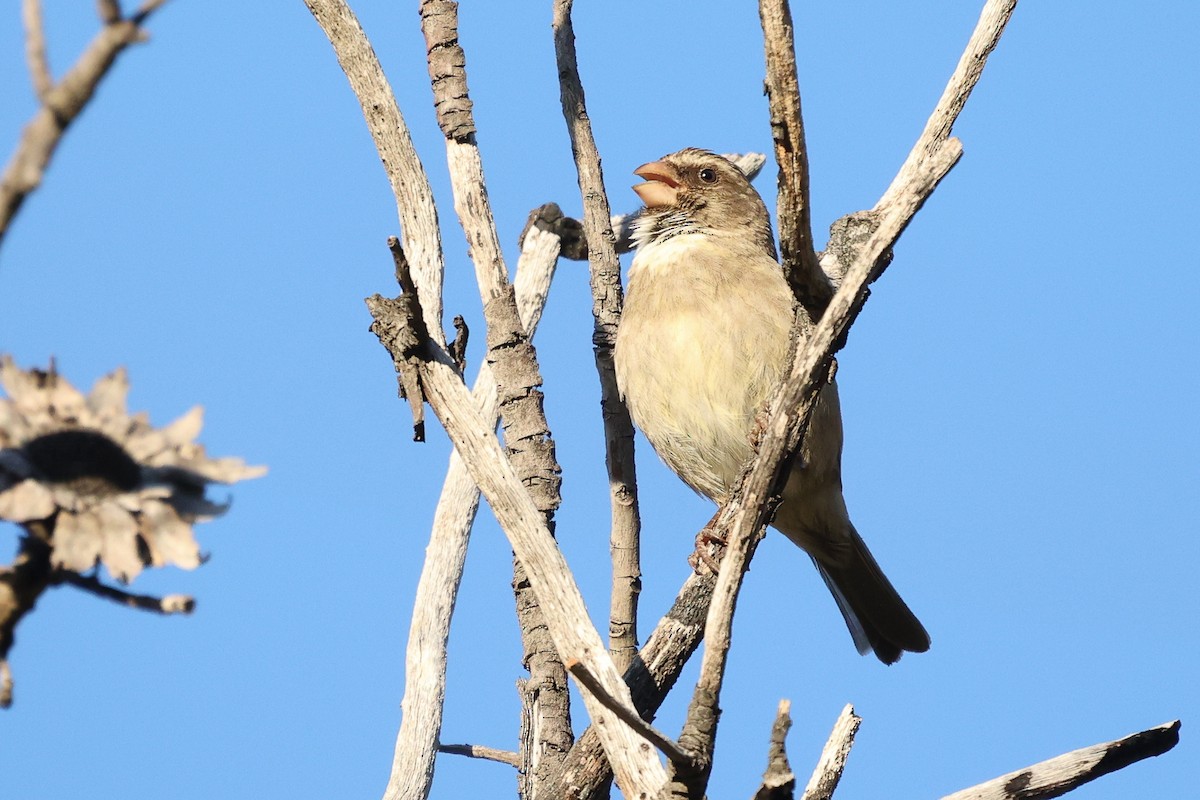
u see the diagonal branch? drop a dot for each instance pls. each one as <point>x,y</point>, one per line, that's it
<point>61,103</point>
<point>437,589</point>
<point>637,769</point>
<point>607,298</point>
<point>832,762</point>
<point>983,41</point>
<point>1057,776</point>
<point>628,715</point>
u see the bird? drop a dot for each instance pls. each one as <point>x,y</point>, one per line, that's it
<point>703,340</point>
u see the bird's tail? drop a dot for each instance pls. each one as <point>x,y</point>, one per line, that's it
<point>878,619</point>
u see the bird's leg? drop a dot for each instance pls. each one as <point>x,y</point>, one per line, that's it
<point>710,547</point>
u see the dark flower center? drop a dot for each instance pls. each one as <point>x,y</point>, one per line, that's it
<point>89,460</point>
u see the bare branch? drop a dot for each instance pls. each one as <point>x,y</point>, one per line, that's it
<point>983,41</point>
<point>437,590</point>
<point>410,184</point>
<point>638,771</point>
<point>605,274</point>
<point>832,762</point>
<point>61,105</point>
<point>779,782</point>
<point>1060,775</point>
<point>170,604</point>
<point>810,285</point>
<point>629,715</point>
<point>514,364</point>
<point>480,751</point>
<point>35,49</point>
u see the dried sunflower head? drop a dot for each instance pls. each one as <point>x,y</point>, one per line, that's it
<point>113,488</point>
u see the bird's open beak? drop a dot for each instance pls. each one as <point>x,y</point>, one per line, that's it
<point>661,187</point>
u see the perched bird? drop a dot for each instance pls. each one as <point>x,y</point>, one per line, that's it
<point>704,340</point>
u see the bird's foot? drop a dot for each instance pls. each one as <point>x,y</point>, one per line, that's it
<point>710,547</point>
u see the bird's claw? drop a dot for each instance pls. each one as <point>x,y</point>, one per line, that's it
<point>710,547</point>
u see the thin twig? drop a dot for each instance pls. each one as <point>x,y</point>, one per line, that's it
<point>437,589</point>
<point>605,275</point>
<point>61,105</point>
<point>832,762</point>
<point>35,49</point>
<point>629,716</point>
<point>170,604</point>
<point>480,751</point>
<point>810,285</point>
<point>1057,776</point>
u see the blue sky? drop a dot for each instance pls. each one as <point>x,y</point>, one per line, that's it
<point>1019,394</point>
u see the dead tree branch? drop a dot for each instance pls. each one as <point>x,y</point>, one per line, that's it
<point>437,589</point>
<point>779,782</point>
<point>35,49</point>
<point>607,298</point>
<point>832,762</point>
<point>61,102</point>
<point>638,771</point>
<point>1060,775</point>
<point>480,751</point>
<point>628,715</point>
<point>513,360</point>
<point>810,285</point>
<point>859,257</point>
<point>586,772</point>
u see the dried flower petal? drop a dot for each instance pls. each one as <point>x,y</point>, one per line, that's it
<point>27,500</point>
<point>168,538</point>
<point>76,542</point>
<point>119,547</point>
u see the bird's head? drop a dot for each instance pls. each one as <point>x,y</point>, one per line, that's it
<point>696,191</point>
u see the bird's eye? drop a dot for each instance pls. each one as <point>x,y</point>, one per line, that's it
<point>708,175</point>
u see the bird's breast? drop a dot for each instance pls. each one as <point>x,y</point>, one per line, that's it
<point>702,340</point>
